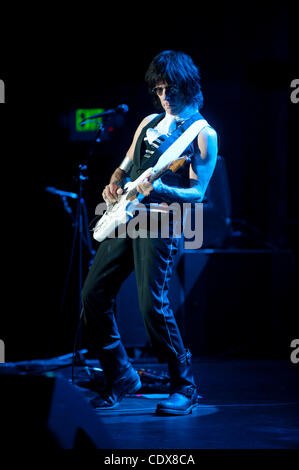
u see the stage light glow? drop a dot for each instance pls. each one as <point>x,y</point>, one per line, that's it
<point>81,114</point>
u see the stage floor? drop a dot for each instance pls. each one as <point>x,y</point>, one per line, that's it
<point>244,404</point>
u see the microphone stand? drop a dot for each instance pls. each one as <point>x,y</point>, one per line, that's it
<point>80,221</point>
<point>81,232</point>
<point>80,224</point>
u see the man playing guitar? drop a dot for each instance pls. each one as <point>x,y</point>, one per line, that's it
<point>173,79</point>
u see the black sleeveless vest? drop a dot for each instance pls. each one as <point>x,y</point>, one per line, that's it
<point>143,159</point>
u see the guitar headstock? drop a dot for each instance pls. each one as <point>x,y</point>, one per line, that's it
<point>178,163</point>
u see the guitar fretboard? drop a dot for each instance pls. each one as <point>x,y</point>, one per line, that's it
<point>151,178</point>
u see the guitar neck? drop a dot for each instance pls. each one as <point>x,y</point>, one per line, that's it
<point>151,179</point>
<point>157,174</point>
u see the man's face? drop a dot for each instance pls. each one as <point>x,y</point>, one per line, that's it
<point>171,99</point>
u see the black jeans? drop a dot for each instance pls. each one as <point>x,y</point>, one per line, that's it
<point>152,259</point>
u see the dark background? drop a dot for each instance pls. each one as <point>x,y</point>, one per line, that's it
<point>247,58</point>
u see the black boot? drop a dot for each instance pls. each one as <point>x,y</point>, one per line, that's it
<point>121,378</point>
<point>183,394</point>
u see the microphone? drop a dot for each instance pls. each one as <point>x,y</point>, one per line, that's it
<point>52,190</point>
<point>121,108</point>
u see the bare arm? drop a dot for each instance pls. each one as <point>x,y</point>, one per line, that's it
<point>203,164</point>
<point>112,190</point>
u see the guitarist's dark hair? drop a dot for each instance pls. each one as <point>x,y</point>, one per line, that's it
<point>175,68</point>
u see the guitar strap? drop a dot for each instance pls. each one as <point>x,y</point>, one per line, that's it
<point>178,141</point>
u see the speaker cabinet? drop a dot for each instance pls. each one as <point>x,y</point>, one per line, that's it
<point>224,300</point>
<point>46,412</point>
<point>238,300</point>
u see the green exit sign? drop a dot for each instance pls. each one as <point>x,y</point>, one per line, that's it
<point>82,114</point>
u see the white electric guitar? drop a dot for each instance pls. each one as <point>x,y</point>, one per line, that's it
<point>122,211</point>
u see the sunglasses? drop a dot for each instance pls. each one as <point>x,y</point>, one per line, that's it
<point>158,90</point>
